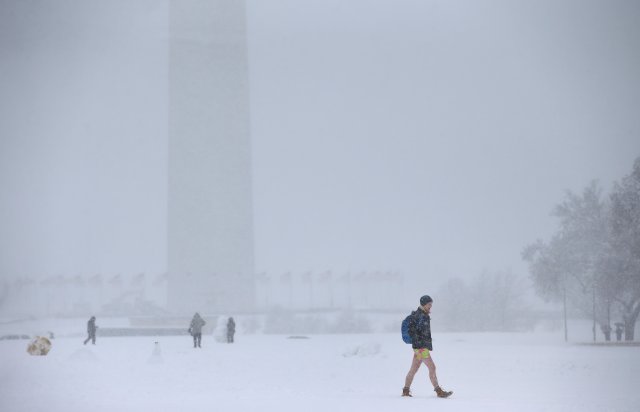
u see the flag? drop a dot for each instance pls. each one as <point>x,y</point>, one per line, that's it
<point>138,280</point>
<point>285,277</point>
<point>325,276</point>
<point>161,278</point>
<point>77,280</point>
<point>116,281</point>
<point>95,280</point>
<point>262,277</point>
<point>306,277</point>
<point>48,281</point>
<point>345,278</point>
<point>58,280</point>
<point>362,276</point>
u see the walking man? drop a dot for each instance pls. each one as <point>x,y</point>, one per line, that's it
<point>420,332</point>
<point>195,329</point>
<point>91,330</point>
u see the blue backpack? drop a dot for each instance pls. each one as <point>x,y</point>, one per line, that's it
<point>406,337</point>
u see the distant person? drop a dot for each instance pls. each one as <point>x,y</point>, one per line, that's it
<point>606,330</point>
<point>91,330</point>
<point>619,331</point>
<point>231,330</point>
<point>195,329</point>
<point>420,332</point>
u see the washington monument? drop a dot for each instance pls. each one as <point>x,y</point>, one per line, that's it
<point>210,223</point>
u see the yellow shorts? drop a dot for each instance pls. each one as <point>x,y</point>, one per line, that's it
<point>422,353</point>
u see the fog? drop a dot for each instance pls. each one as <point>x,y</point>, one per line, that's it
<point>405,142</point>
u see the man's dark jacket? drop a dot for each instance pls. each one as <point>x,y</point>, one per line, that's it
<point>420,330</point>
<point>91,326</point>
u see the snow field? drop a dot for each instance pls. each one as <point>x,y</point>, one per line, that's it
<point>486,371</point>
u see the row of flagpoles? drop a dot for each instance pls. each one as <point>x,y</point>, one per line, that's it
<point>290,290</point>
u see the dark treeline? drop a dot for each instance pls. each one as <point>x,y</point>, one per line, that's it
<point>592,261</point>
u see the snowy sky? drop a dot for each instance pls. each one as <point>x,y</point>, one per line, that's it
<point>429,137</point>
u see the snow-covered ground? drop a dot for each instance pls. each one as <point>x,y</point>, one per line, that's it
<point>487,372</point>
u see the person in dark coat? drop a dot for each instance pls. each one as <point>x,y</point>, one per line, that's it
<point>195,329</point>
<point>231,330</point>
<point>420,332</point>
<point>91,330</point>
<point>619,329</point>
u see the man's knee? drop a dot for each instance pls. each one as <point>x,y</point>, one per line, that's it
<point>430,364</point>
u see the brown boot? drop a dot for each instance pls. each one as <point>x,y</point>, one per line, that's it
<point>441,393</point>
<point>406,392</point>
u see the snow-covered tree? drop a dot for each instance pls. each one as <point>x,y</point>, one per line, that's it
<point>567,268</point>
<point>593,260</point>
<point>491,302</point>
<point>624,261</point>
